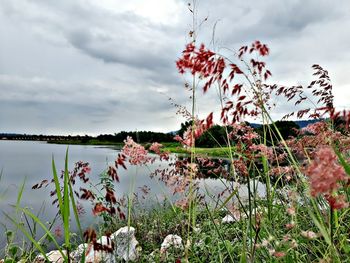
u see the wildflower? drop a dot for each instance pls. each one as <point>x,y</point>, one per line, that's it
<point>240,166</point>
<point>316,128</point>
<point>338,202</point>
<point>99,208</point>
<point>58,232</point>
<point>279,254</point>
<point>192,168</point>
<point>294,243</point>
<point>325,173</point>
<point>263,149</point>
<point>193,132</point>
<point>155,147</point>
<point>80,209</point>
<point>291,211</point>
<point>309,234</point>
<point>182,203</point>
<point>265,243</point>
<point>290,225</point>
<point>137,153</point>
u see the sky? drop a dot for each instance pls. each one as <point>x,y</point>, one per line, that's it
<point>103,66</point>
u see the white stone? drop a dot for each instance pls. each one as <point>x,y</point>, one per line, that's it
<point>77,254</point>
<point>96,256</point>
<point>39,259</point>
<point>228,219</point>
<point>126,243</point>
<point>56,256</point>
<point>53,256</point>
<point>171,241</point>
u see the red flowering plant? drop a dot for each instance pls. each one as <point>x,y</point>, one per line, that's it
<point>327,177</point>
<point>322,148</point>
<point>104,201</point>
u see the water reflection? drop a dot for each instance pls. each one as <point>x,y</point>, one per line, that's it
<point>30,162</point>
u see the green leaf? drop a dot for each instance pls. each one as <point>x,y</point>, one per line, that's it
<point>13,250</point>
<point>66,207</point>
<point>227,200</point>
<point>20,193</point>
<point>42,225</point>
<point>342,161</point>
<point>75,210</point>
<point>29,236</point>
<point>57,186</point>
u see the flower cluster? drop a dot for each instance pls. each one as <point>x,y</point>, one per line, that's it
<point>156,148</point>
<point>193,132</point>
<point>325,175</point>
<point>136,153</point>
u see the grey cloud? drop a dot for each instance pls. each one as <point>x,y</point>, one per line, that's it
<point>113,38</point>
<point>102,71</point>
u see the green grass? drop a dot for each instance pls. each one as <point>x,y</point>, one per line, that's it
<point>172,147</point>
<point>89,142</point>
<point>211,152</point>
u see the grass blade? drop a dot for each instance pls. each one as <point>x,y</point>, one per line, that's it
<point>57,186</point>
<point>75,210</point>
<point>30,238</point>
<point>66,206</point>
<point>20,193</point>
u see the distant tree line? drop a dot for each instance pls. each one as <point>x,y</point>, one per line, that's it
<point>215,136</point>
<point>140,136</point>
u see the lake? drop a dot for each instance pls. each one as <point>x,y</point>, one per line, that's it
<point>30,162</point>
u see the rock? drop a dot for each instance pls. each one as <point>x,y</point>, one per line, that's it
<point>56,256</point>
<point>125,243</point>
<point>53,256</point>
<point>39,259</point>
<point>77,254</point>
<point>171,241</point>
<point>96,256</point>
<point>234,216</point>
<point>228,219</point>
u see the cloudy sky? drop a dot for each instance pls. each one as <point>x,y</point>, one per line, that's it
<point>102,66</point>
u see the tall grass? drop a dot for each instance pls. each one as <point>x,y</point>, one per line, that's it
<point>66,203</point>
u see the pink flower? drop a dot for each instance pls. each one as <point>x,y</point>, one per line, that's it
<point>58,232</point>
<point>337,202</point>
<point>324,172</point>
<point>194,132</point>
<point>316,128</point>
<point>155,147</point>
<point>291,211</point>
<point>309,234</point>
<point>263,149</point>
<point>250,136</point>
<point>137,153</point>
<point>279,254</point>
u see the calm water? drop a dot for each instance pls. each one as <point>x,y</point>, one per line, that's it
<point>31,162</point>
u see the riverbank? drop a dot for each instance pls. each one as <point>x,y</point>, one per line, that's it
<point>167,147</point>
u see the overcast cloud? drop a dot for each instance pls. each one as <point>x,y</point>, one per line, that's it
<point>92,67</point>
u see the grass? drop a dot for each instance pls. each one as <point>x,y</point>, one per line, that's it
<point>89,142</point>
<point>206,152</point>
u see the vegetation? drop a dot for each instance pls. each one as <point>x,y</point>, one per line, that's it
<point>302,214</point>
